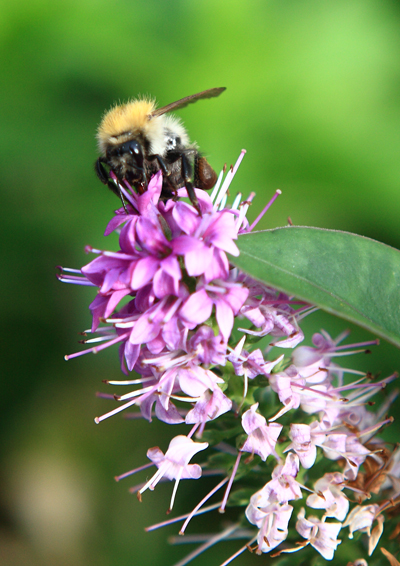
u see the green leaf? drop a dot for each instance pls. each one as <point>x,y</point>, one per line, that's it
<point>213,436</point>
<point>348,275</point>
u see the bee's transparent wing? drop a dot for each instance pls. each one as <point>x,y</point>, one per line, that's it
<point>210,93</point>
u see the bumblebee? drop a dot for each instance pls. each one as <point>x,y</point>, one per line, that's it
<point>136,140</point>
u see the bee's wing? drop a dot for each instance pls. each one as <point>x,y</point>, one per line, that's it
<point>210,93</point>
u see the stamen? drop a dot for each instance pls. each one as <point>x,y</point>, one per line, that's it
<point>69,269</point>
<point>200,504</point>
<point>153,481</point>
<point>96,349</point>
<point>215,289</point>
<point>337,354</point>
<point>119,255</point>
<point>193,430</point>
<point>342,336</point>
<point>213,540</point>
<point>257,220</point>
<point>90,250</point>
<point>303,312</point>
<point>79,279</point>
<point>358,345</point>
<point>131,472</point>
<point>163,363</point>
<point>137,393</point>
<point>239,552</point>
<point>172,310</point>
<point>129,381</point>
<point>217,185</point>
<point>236,202</point>
<point>129,197</point>
<point>93,340</point>
<point>125,322</point>
<point>244,207</point>
<point>228,487</point>
<point>76,281</point>
<point>185,399</point>
<point>98,420</point>
<point>100,330</point>
<point>223,202</point>
<point>157,308</point>
<point>228,179</point>
<point>178,479</point>
<point>374,428</point>
<point>177,519</point>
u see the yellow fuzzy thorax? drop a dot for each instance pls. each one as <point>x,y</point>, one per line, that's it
<point>131,117</point>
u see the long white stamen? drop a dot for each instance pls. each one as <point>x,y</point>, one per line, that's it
<point>200,504</point>
<point>130,381</point>
<point>239,552</point>
<point>181,517</point>
<point>228,179</point>
<point>98,420</point>
<point>244,207</point>
<point>178,479</point>
<point>94,340</point>
<point>153,481</point>
<point>136,393</point>
<point>223,202</point>
<point>211,541</point>
<point>236,202</point>
<point>135,471</point>
<point>95,349</point>
<point>230,482</point>
<point>217,186</point>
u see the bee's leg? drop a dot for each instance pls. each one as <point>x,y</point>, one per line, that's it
<point>101,171</point>
<point>187,174</point>
<point>166,174</point>
<point>103,175</point>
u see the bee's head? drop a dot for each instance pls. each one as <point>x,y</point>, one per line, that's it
<point>132,148</point>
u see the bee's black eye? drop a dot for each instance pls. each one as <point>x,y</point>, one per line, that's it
<point>133,147</point>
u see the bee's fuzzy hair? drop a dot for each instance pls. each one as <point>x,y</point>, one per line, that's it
<point>132,118</point>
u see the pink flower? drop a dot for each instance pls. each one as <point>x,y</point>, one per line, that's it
<point>305,439</point>
<point>250,364</point>
<point>361,518</point>
<point>341,445</point>
<point>210,405</point>
<point>227,297</point>
<point>273,315</point>
<point>261,438</point>
<point>328,495</point>
<point>206,241</point>
<point>175,463</point>
<point>311,362</point>
<point>283,487</point>
<point>288,385</point>
<point>321,535</point>
<point>209,349</point>
<point>180,298</point>
<point>271,518</point>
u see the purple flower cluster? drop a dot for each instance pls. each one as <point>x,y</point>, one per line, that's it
<point>170,298</point>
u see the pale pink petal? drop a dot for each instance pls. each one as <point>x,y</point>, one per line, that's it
<point>144,271</point>
<point>186,217</point>
<point>197,308</point>
<point>225,319</point>
<point>198,260</point>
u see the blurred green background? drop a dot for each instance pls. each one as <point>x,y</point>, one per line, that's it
<point>313,94</point>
